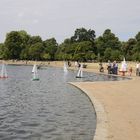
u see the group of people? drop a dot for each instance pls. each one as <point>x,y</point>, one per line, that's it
<point>112,68</point>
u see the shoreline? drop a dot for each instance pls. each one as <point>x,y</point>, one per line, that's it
<point>101,118</point>
<point>91,66</point>
<point>116,104</point>
<point>117,107</point>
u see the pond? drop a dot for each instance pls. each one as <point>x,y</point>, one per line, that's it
<point>48,109</point>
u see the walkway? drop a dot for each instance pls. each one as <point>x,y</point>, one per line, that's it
<point>117,104</point>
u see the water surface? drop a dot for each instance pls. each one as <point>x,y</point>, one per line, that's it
<point>49,109</point>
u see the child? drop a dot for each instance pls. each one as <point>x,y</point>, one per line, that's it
<point>101,68</point>
<point>130,71</point>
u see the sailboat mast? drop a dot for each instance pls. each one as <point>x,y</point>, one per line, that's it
<point>3,73</point>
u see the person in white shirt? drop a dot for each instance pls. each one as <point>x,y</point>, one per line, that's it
<point>138,69</point>
<point>76,64</point>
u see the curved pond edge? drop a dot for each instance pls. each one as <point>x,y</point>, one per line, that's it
<point>101,131</point>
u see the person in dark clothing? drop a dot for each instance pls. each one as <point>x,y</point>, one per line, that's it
<point>115,68</point>
<point>101,68</point>
<point>109,67</point>
<point>69,64</point>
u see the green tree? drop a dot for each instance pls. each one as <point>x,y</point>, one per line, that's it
<point>34,39</point>
<point>83,51</point>
<point>107,54</point>
<point>33,43</point>
<point>81,46</point>
<point>36,51</point>
<point>65,50</point>
<point>2,50</point>
<point>82,34</point>
<point>13,45</point>
<point>136,48</point>
<point>107,40</point>
<point>110,40</point>
<point>99,42</point>
<point>116,55</point>
<point>25,40</point>
<point>128,48</point>
<point>50,48</point>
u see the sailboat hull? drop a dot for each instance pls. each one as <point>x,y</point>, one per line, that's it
<point>79,74</point>
<point>78,77</point>
<point>3,77</point>
<point>35,79</point>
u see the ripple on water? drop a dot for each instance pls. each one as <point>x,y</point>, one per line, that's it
<point>30,124</point>
<point>49,109</point>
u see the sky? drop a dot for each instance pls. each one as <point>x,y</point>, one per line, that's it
<point>60,18</point>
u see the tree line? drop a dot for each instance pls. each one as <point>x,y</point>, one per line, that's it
<point>82,46</point>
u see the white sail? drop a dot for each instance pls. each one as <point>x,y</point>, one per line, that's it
<point>34,68</point>
<point>124,60</point>
<point>65,67</point>
<point>80,72</point>
<point>35,73</point>
<point>123,65</point>
<point>3,73</point>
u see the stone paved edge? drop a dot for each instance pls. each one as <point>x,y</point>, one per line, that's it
<point>101,132</point>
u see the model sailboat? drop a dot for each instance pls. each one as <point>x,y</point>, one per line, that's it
<point>35,73</point>
<point>34,67</point>
<point>3,73</point>
<point>80,72</point>
<point>65,67</point>
<point>123,66</point>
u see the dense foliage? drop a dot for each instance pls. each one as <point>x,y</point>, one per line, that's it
<point>82,46</point>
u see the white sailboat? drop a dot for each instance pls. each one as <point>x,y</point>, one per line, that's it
<point>65,67</point>
<point>34,67</point>
<point>80,72</point>
<point>123,65</point>
<point>35,73</point>
<point>3,73</point>
<point>124,60</point>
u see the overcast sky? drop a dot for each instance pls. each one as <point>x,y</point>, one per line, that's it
<point>60,18</point>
